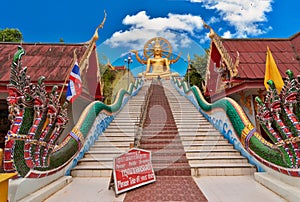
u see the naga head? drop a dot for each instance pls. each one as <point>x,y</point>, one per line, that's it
<point>18,55</point>
<point>271,84</point>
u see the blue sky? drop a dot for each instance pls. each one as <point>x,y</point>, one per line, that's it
<point>130,23</point>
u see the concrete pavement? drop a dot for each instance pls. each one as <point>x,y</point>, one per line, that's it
<point>215,188</point>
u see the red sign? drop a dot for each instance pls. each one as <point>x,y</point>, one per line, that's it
<point>132,170</point>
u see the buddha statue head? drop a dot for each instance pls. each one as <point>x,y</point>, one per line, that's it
<point>157,49</point>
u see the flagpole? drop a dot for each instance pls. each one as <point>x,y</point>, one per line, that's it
<point>68,74</point>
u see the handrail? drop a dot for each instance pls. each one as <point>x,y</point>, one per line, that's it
<point>141,119</point>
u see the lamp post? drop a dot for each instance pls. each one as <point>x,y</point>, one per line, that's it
<point>128,60</point>
<point>189,68</point>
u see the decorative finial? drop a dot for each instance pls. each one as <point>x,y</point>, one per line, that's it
<point>96,36</point>
<point>212,32</point>
<point>205,25</point>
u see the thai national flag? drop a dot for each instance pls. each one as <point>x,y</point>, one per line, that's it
<point>75,84</point>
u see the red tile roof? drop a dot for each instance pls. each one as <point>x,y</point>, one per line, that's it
<point>50,60</point>
<point>119,67</point>
<point>286,53</point>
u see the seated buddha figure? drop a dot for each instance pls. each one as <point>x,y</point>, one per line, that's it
<point>158,66</point>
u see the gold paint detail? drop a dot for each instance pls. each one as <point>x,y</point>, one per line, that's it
<point>83,64</point>
<point>78,133</point>
<point>23,137</point>
<point>291,140</point>
<point>245,133</point>
<point>232,67</point>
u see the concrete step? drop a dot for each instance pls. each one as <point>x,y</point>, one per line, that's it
<point>208,147</point>
<point>199,133</point>
<point>98,155</point>
<point>204,142</point>
<point>200,137</point>
<point>120,126</point>
<point>154,147</point>
<point>160,133</point>
<point>128,120</point>
<point>219,160</point>
<point>90,171</point>
<point>100,159</point>
<point>48,190</point>
<point>118,134</point>
<point>200,128</point>
<point>110,144</point>
<point>191,124</point>
<point>107,143</point>
<point>145,140</point>
<point>116,138</point>
<point>288,191</point>
<point>205,153</point>
<point>127,115</point>
<point>222,170</point>
<point>108,149</point>
<point>209,150</point>
<point>118,130</point>
<point>97,164</point>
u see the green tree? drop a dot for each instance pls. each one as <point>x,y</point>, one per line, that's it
<point>197,70</point>
<point>10,35</point>
<point>200,63</point>
<point>107,79</point>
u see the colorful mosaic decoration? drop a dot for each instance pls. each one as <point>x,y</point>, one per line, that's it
<point>279,116</point>
<point>38,119</point>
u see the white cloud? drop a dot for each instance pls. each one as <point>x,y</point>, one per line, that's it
<point>205,38</point>
<point>246,16</point>
<point>227,35</point>
<point>213,20</point>
<point>176,28</point>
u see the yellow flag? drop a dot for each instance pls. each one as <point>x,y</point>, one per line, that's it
<point>272,72</point>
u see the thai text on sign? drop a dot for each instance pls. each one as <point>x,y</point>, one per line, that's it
<point>132,170</point>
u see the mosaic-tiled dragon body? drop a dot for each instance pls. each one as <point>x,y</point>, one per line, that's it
<point>283,126</point>
<point>279,116</point>
<point>37,120</point>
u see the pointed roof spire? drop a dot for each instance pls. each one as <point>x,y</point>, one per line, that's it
<point>96,36</point>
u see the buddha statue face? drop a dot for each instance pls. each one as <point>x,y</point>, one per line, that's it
<point>157,48</point>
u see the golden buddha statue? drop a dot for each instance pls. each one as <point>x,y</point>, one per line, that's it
<point>161,50</point>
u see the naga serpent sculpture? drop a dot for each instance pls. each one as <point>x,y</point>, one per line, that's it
<point>37,121</point>
<point>279,116</point>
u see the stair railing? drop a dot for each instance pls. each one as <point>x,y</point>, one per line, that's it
<point>139,125</point>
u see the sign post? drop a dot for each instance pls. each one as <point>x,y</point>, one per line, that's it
<point>133,169</point>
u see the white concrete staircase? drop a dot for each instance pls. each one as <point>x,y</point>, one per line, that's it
<point>115,140</point>
<point>207,151</point>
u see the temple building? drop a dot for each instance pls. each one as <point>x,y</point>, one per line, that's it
<point>54,61</point>
<point>236,67</point>
<point>115,68</point>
